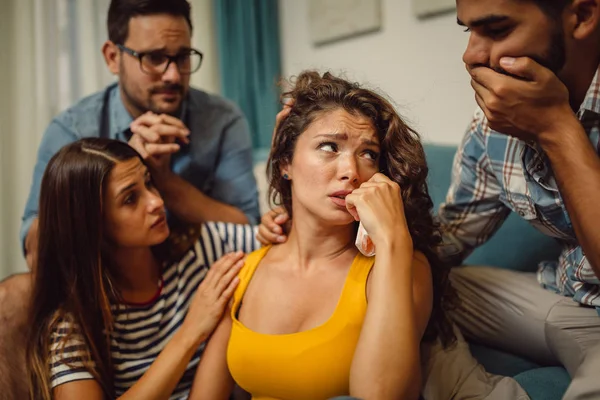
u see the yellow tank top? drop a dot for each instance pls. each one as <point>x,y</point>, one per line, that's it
<point>313,364</point>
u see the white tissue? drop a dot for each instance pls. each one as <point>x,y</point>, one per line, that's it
<point>363,242</point>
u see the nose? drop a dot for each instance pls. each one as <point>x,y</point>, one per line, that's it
<point>172,73</point>
<point>155,202</point>
<point>348,169</point>
<point>477,52</point>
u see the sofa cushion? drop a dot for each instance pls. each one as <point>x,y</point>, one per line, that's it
<point>499,362</point>
<point>549,383</point>
<point>516,245</point>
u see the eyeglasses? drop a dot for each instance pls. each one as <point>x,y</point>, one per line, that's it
<point>157,62</point>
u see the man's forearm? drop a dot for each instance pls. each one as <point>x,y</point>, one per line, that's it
<point>192,206</point>
<point>577,170</point>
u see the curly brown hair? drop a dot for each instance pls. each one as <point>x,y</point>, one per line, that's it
<point>402,160</point>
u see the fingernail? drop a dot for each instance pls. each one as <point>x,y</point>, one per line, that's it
<point>507,61</point>
<point>281,239</point>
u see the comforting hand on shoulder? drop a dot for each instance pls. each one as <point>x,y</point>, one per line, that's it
<point>213,295</point>
<point>378,204</point>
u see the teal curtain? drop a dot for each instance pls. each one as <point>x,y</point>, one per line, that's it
<point>249,58</point>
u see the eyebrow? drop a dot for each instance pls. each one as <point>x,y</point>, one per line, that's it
<point>343,136</point>
<point>131,185</point>
<point>126,189</point>
<point>488,19</point>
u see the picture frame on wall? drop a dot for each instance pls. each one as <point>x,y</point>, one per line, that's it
<point>334,20</point>
<point>428,8</point>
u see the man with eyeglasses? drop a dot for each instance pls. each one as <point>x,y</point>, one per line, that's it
<point>196,144</point>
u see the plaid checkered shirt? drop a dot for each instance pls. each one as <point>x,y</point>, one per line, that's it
<point>494,174</point>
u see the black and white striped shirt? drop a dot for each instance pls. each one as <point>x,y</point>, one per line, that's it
<point>141,332</point>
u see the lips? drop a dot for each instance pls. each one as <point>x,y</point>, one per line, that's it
<point>339,198</point>
<point>169,95</point>
<point>161,220</point>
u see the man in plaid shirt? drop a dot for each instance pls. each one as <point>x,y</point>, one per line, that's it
<point>532,148</point>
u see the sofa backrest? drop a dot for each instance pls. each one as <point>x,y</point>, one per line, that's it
<point>516,245</point>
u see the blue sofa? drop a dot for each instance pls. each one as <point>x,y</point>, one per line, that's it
<point>528,247</point>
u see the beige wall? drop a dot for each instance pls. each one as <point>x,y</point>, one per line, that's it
<point>6,198</point>
<point>207,78</point>
<point>18,128</point>
<point>415,62</point>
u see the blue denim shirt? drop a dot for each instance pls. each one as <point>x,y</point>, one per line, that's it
<point>217,161</point>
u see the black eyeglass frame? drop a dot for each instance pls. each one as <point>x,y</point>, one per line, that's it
<point>175,59</point>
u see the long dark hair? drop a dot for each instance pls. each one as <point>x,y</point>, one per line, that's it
<point>73,283</point>
<point>402,160</point>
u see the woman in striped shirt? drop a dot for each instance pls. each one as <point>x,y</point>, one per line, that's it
<point>112,315</point>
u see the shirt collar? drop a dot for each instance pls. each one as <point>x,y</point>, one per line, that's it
<point>591,102</point>
<point>120,119</point>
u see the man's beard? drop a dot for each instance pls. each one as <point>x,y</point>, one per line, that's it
<point>149,104</point>
<point>554,58</point>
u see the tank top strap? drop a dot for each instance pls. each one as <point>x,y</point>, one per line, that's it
<point>250,264</point>
<point>360,269</point>
<point>354,295</point>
